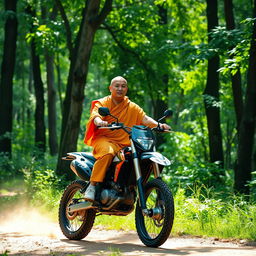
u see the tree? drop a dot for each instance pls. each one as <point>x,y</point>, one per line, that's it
<point>92,17</point>
<point>40,137</point>
<point>236,78</point>
<point>7,72</point>
<point>246,139</point>
<point>211,92</point>
<point>51,88</point>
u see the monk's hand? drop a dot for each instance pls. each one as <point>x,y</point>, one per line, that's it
<point>165,127</point>
<point>99,122</point>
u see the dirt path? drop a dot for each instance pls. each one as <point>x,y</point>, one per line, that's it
<point>103,242</point>
<point>26,232</point>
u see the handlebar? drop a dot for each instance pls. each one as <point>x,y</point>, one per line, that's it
<point>116,126</point>
<point>158,129</point>
<point>112,126</point>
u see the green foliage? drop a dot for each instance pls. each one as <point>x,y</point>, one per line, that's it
<point>116,222</point>
<point>252,185</point>
<point>40,179</point>
<point>187,169</point>
<point>45,36</point>
<point>112,252</point>
<point>7,169</point>
<point>232,217</point>
<point>44,189</point>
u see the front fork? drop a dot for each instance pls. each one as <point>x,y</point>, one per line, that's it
<point>141,191</point>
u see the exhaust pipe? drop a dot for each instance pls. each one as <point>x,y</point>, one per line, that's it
<point>80,206</point>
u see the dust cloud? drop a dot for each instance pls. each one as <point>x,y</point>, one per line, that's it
<point>28,221</point>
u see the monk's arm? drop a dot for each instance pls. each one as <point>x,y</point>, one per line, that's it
<point>150,122</point>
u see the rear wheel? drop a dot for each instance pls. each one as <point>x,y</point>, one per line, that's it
<point>154,229</point>
<point>75,225</point>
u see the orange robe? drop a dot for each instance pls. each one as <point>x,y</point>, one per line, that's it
<point>106,143</point>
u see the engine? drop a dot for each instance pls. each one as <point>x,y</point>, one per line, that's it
<point>108,196</point>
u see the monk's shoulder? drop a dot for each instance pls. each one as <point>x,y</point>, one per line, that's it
<point>102,102</point>
<point>133,106</point>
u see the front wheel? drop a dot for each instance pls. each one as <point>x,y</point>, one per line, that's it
<point>155,227</point>
<point>75,225</point>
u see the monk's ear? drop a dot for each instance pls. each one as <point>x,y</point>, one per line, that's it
<point>110,87</point>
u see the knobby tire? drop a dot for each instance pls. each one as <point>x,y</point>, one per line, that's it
<point>165,199</point>
<point>85,223</point>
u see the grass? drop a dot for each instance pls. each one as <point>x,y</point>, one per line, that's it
<point>125,223</point>
<point>198,214</point>
<point>112,252</point>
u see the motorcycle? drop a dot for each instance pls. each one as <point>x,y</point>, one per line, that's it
<point>134,176</point>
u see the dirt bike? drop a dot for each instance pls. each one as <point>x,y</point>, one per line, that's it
<point>134,176</point>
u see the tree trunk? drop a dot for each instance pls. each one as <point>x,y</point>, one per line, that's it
<point>77,77</point>
<point>6,82</point>
<point>236,78</point>
<point>40,138</point>
<point>243,167</point>
<point>51,90</point>
<point>51,102</point>
<point>211,93</point>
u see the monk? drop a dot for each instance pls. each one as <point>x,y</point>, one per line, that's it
<point>105,142</point>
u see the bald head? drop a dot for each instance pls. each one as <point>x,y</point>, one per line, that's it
<point>118,79</point>
<point>118,89</point>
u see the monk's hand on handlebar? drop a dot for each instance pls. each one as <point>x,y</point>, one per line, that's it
<point>112,126</point>
<point>162,128</point>
<point>100,123</point>
<point>103,124</point>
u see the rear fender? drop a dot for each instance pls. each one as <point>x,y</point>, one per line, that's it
<point>81,164</point>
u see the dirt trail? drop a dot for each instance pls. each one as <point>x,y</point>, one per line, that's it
<point>31,234</point>
<point>102,242</point>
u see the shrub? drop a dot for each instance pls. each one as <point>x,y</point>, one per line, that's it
<point>188,170</point>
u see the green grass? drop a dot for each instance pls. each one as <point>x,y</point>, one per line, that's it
<point>232,218</point>
<point>116,222</point>
<point>111,252</point>
<point>198,214</point>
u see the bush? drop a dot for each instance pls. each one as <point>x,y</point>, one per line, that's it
<point>7,168</point>
<point>233,217</point>
<point>188,170</point>
<point>43,188</point>
<point>40,180</point>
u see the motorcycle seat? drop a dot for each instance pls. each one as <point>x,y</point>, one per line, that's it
<point>88,156</point>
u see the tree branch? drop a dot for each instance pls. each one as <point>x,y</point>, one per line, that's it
<point>67,26</point>
<point>104,13</point>
<point>136,55</point>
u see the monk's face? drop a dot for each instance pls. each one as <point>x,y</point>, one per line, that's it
<point>118,89</point>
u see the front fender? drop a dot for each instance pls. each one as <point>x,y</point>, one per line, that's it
<point>156,157</point>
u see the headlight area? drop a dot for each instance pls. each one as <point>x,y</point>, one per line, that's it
<point>146,144</point>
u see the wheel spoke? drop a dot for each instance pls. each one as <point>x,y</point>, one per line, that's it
<point>74,219</point>
<point>155,228</point>
<point>75,225</point>
<point>153,225</point>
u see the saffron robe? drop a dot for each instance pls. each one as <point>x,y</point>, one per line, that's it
<point>105,142</point>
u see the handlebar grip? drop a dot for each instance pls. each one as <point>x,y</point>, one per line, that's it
<point>159,129</point>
